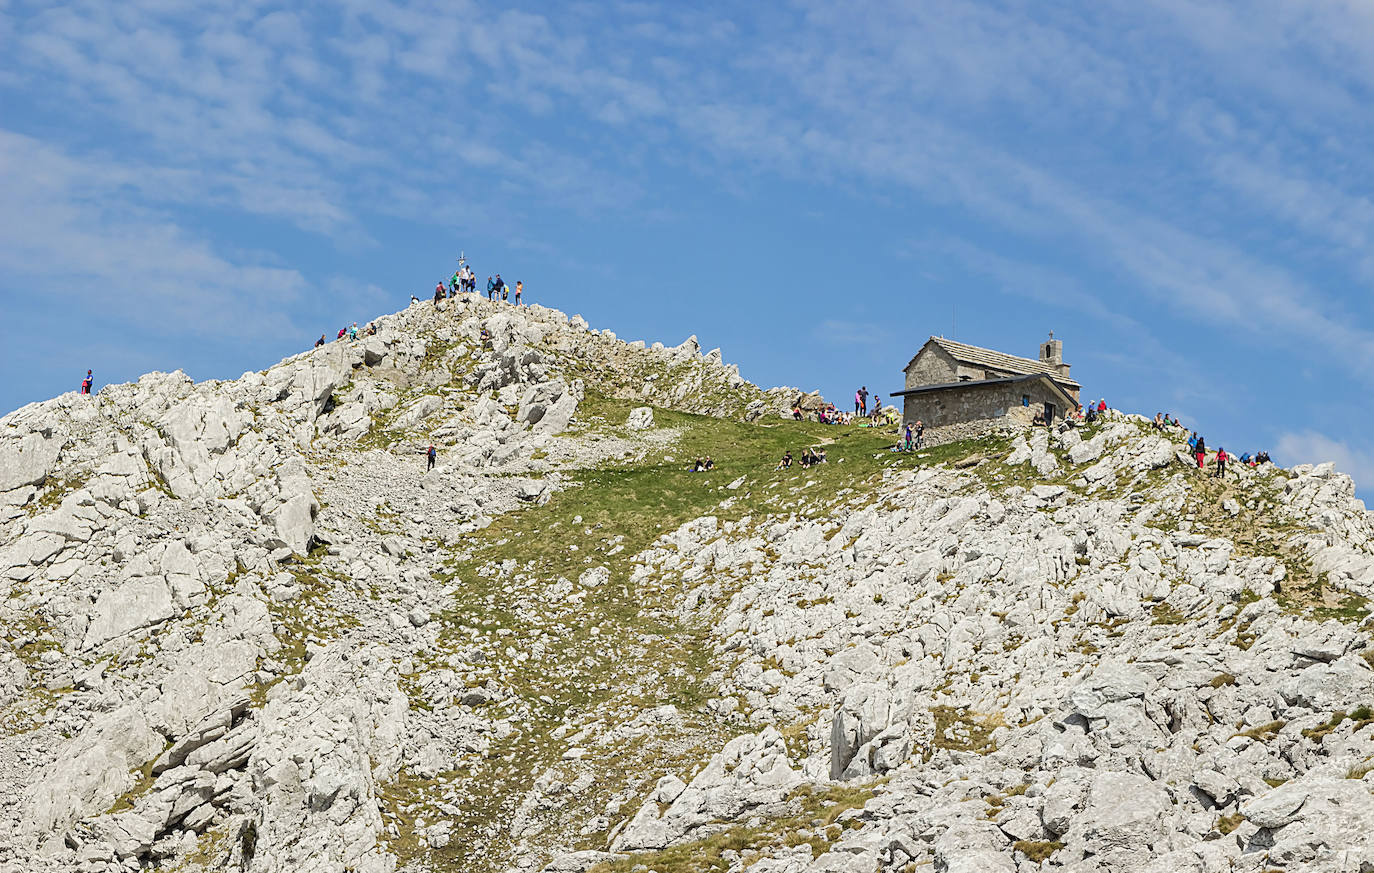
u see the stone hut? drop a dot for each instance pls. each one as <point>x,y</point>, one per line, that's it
<point>963,392</point>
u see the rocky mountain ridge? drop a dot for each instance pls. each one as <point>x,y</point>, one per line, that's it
<point>246,629</point>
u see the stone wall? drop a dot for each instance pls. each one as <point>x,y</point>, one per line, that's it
<point>975,410</point>
<point>932,366</point>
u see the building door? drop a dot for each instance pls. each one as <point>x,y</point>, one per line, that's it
<point>1049,413</point>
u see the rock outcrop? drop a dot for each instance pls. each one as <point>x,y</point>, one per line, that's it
<point>247,627</point>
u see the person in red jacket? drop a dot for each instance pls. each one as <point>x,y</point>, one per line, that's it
<point>1101,406</point>
<point>87,382</point>
<point>1222,458</point>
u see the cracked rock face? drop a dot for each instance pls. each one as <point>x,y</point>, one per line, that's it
<point>247,627</point>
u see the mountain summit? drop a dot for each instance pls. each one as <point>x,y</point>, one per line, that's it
<point>257,625</point>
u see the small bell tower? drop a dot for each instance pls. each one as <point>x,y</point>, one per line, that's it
<point>1052,353</point>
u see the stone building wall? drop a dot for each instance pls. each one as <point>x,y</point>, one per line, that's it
<point>932,367</point>
<point>975,410</point>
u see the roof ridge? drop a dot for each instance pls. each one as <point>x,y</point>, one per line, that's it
<point>985,357</point>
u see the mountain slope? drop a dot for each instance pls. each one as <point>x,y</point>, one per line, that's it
<point>248,630</point>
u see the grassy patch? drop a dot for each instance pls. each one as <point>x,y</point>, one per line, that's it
<point>1037,850</point>
<point>963,730</point>
<point>1264,731</point>
<point>1228,823</point>
<point>812,823</point>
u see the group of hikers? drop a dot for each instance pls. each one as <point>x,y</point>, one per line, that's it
<point>830,414</point>
<point>350,331</point>
<point>1197,447</point>
<point>464,281</point>
<point>810,457</point>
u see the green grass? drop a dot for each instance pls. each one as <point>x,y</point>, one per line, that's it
<point>624,645</point>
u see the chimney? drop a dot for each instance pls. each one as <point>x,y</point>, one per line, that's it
<point>1052,353</point>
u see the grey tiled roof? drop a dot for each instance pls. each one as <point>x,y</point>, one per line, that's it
<point>999,361</point>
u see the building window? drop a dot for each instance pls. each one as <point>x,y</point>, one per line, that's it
<point>1025,400</point>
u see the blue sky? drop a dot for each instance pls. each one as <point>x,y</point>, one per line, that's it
<point>1180,189</point>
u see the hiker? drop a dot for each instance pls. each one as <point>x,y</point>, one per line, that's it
<point>501,288</point>
<point>353,331</point>
<point>87,382</point>
<point>1221,463</point>
<point>519,290</point>
<point>920,432</point>
<point>908,439</point>
<point>319,342</point>
<point>454,284</point>
<point>786,461</point>
<point>710,464</point>
<point>491,289</point>
<point>414,300</point>
<point>797,412</point>
<point>1262,457</point>
<point>430,455</point>
<point>438,293</point>
<point>807,459</point>
<point>861,401</point>
<point>342,331</point>
<point>1200,450</point>
<point>1247,460</point>
<point>372,328</point>
<point>696,466</point>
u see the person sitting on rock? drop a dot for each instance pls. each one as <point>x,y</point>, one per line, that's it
<point>786,461</point>
<point>797,413</point>
<point>319,342</point>
<point>372,328</point>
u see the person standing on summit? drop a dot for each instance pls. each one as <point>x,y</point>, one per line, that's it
<point>861,401</point>
<point>87,382</point>
<point>491,289</point>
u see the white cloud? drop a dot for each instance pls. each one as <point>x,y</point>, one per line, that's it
<point>70,238</point>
